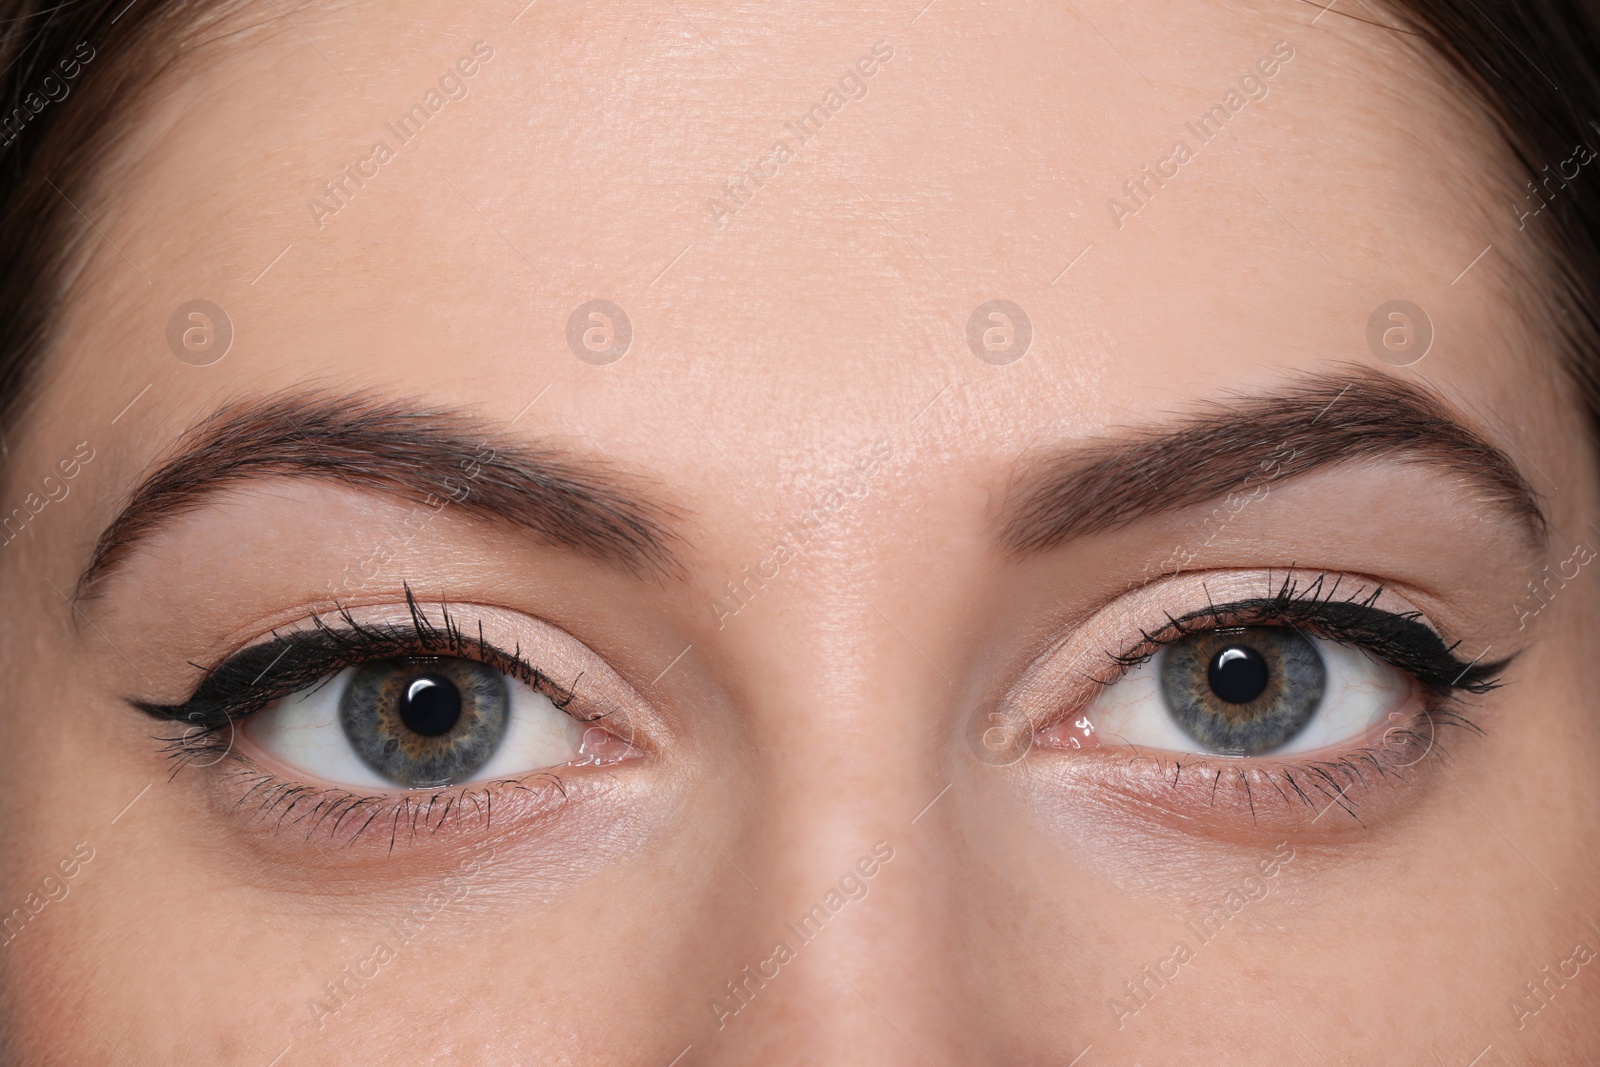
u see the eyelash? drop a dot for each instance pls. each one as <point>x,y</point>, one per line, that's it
<point>234,690</point>
<point>1397,638</point>
<point>240,687</point>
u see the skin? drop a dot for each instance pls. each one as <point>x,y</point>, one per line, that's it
<point>835,710</point>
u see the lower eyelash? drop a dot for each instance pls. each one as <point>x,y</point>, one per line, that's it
<point>198,742</point>
<point>323,810</point>
<point>1316,784</point>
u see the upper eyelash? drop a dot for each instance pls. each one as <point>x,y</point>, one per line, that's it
<point>260,674</point>
<point>1398,638</point>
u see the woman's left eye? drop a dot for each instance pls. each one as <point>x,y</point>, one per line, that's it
<point>417,722</point>
<point>1248,691</point>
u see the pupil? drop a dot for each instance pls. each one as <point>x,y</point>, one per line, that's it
<point>1238,674</point>
<point>431,706</point>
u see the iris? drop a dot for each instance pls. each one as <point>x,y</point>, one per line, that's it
<point>425,721</point>
<point>1243,691</point>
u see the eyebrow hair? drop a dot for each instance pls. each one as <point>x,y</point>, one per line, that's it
<point>404,450</point>
<point>1317,421</point>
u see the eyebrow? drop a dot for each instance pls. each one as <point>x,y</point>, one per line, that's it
<point>416,453</point>
<point>1314,422</point>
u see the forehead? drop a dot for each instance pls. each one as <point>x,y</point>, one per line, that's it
<point>802,214</point>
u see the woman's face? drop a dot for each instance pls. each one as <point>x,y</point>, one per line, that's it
<point>867,536</point>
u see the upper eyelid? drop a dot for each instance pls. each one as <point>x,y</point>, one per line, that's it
<point>1083,659</point>
<point>392,638</point>
<point>1268,608</point>
<point>603,689</point>
<point>1483,677</point>
<point>1176,627</point>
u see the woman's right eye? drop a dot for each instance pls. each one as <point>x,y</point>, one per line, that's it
<point>420,722</point>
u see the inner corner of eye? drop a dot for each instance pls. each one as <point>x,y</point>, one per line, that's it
<point>423,722</point>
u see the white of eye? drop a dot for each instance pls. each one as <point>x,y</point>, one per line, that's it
<point>1360,692</point>
<point>302,731</point>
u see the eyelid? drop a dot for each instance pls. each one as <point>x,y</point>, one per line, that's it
<point>588,687</point>
<point>273,805</point>
<point>1064,679</point>
<point>1307,798</point>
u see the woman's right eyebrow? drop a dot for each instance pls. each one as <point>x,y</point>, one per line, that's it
<point>423,454</point>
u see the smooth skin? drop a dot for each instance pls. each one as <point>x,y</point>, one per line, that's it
<point>774,346</point>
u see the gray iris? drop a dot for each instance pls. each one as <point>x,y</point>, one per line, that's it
<point>1244,691</point>
<point>424,721</point>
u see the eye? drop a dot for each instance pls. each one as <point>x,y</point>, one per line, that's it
<point>1249,691</point>
<point>419,722</point>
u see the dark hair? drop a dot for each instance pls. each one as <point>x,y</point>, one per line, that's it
<point>1529,64</point>
<point>1532,67</point>
<point>73,71</point>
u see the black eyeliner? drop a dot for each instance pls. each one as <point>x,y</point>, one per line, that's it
<point>1398,638</point>
<point>256,676</point>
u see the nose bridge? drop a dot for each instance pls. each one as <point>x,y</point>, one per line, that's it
<point>846,952</point>
<point>822,978</point>
<point>851,954</point>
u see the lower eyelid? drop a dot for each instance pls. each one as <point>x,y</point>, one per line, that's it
<point>1308,797</point>
<point>285,814</point>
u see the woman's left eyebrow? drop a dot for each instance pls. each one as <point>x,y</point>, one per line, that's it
<point>415,452</point>
<point>1314,422</point>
